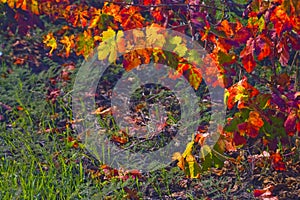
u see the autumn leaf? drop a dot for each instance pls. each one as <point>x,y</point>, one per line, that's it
<point>121,137</point>
<point>281,20</point>
<point>195,77</point>
<point>84,43</point>
<point>290,123</point>
<point>181,67</point>
<point>180,48</point>
<point>131,60</point>
<point>193,57</point>
<point>193,167</point>
<point>283,51</point>
<point>181,163</point>
<point>50,41</point>
<point>157,14</point>
<point>109,45</point>
<point>247,56</point>
<point>153,37</point>
<point>79,15</point>
<point>242,35</point>
<point>226,59</point>
<point>265,194</point>
<point>255,119</point>
<point>96,16</point>
<point>112,10</point>
<point>131,18</point>
<point>35,7</point>
<point>252,125</point>
<point>263,47</point>
<point>238,139</point>
<point>227,28</point>
<point>187,162</point>
<point>240,92</point>
<point>277,162</point>
<point>188,149</point>
<point>68,42</point>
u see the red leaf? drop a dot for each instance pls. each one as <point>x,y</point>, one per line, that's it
<point>283,50</point>
<point>157,14</point>
<point>255,119</point>
<point>131,18</point>
<point>277,162</point>
<point>242,35</point>
<point>147,2</point>
<point>259,192</point>
<point>227,28</point>
<point>247,56</point>
<point>280,166</point>
<point>265,194</point>
<point>280,20</point>
<point>263,47</point>
<point>241,92</point>
<point>290,124</point>
<point>238,139</point>
<point>247,128</point>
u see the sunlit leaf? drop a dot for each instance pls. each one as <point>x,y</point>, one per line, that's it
<point>195,77</point>
<point>131,18</point>
<point>79,15</point>
<point>50,41</point>
<point>68,42</point>
<point>180,48</point>
<point>240,91</point>
<point>193,166</point>
<point>154,37</point>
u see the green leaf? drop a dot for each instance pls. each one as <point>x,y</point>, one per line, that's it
<point>263,100</point>
<point>193,56</point>
<point>180,49</point>
<point>233,124</point>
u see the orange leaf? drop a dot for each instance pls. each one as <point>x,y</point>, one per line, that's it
<point>131,18</point>
<point>247,56</point>
<point>227,28</point>
<point>264,47</point>
<point>277,162</point>
<point>255,119</point>
<point>241,92</point>
<point>68,42</point>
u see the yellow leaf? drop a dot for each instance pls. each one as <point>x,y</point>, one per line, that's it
<point>188,149</point>
<point>181,162</point>
<point>50,41</point>
<point>195,77</point>
<point>154,37</point>
<point>180,48</point>
<point>176,40</point>
<point>35,7</point>
<point>108,34</point>
<point>68,42</point>
<point>102,51</point>
<point>109,46</point>
<point>194,168</point>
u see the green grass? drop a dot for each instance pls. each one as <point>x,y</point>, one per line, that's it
<point>36,164</point>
